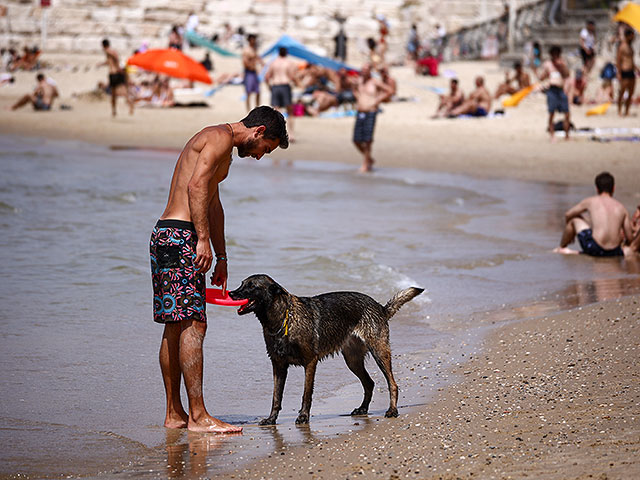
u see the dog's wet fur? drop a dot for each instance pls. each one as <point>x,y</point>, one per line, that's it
<point>304,330</point>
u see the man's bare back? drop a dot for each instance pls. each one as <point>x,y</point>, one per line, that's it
<point>112,60</point>
<point>282,71</point>
<point>607,217</point>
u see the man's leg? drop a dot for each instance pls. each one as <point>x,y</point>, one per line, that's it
<point>367,163</point>
<point>176,417</point>
<point>567,124</point>
<point>114,97</point>
<point>631,89</point>
<point>550,127</point>
<point>191,363</point>
<point>621,91</point>
<point>571,229</point>
<point>248,101</point>
<point>23,101</point>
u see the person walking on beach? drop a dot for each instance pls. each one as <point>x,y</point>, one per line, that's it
<point>556,71</point>
<point>369,93</point>
<point>118,82</point>
<point>280,76</point>
<point>251,61</point>
<point>599,233</point>
<point>180,249</point>
<point>41,98</point>
<point>626,71</point>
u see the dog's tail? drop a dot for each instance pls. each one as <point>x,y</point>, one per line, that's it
<point>400,298</point>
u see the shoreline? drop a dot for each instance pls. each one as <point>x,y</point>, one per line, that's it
<point>538,398</point>
<point>513,146</point>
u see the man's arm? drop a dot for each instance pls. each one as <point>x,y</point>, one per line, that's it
<point>199,197</point>
<point>626,228</point>
<point>576,210</point>
<point>216,224</point>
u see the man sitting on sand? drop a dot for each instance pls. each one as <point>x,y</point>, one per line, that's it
<point>478,104</point>
<point>451,101</point>
<point>41,98</point>
<point>520,77</point>
<point>599,233</point>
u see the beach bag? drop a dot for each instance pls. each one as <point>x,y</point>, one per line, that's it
<point>608,72</point>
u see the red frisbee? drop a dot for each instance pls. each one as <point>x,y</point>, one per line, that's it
<point>214,295</point>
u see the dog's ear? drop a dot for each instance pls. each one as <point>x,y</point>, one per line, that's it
<point>275,290</point>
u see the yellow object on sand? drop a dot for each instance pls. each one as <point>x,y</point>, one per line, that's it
<point>630,15</point>
<point>517,97</point>
<point>599,110</point>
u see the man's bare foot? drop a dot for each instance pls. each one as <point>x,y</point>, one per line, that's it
<point>212,425</point>
<point>565,251</point>
<point>176,421</point>
<point>365,169</point>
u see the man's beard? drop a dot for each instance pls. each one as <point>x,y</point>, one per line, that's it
<point>243,150</point>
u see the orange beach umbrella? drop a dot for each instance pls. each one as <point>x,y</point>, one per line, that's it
<point>171,62</point>
<point>630,15</point>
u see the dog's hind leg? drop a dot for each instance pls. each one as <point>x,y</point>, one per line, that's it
<point>354,352</point>
<point>279,379</point>
<point>382,355</point>
<point>309,377</point>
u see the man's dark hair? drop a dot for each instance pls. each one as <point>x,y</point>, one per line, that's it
<point>40,77</point>
<point>454,81</point>
<point>517,65</point>
<point>555,50</point>
<point>105,43</point>
<point>282,51</point>
<point>605,183</point>
<point>628,32</point>
<point>251,36</point>
<point>590,22</point>
<point>273,121</point>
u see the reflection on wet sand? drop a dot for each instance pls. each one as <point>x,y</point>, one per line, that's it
<point>189,454</point>
<point>610,278</point>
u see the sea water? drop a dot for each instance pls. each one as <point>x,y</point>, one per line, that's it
<point>81,386</point>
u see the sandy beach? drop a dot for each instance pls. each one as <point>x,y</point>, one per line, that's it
<point>552,397</point>
<point>546,397</point>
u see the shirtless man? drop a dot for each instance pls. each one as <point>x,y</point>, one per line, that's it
<point>280,75</point>
<point>180,248</point>
<point>478,104</point>
<point>556,71</point>
<point>117,78</point>
<point>251,61</point>
<point>599,233</point>
<point>451,101</point>
<point>369,93</point>
<point>520,77</point>
<point>626,71</point>
<point>41,98</point>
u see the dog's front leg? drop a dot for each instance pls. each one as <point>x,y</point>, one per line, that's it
<point>279,379</point>
<point>309,377</point>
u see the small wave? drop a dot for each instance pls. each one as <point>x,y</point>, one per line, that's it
<point>125,197</point>
<point>493,261</point>
<point>7,208</point>
<point>249,199</point>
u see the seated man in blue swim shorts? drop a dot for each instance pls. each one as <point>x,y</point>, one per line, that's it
<point>478,104</point>
<point>181,255</point>
<point>599,232</point>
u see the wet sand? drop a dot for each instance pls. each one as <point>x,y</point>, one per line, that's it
<point>550,397</point>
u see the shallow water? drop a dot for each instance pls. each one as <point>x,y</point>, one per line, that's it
<point>81,387</point>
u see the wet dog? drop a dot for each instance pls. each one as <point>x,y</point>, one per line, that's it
<point>304,330</point>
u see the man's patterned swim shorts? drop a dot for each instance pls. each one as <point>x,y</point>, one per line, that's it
<point>178,287</point>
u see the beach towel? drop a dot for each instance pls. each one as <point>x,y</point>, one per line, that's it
<point>599,110</point>
<point>517,97</point>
